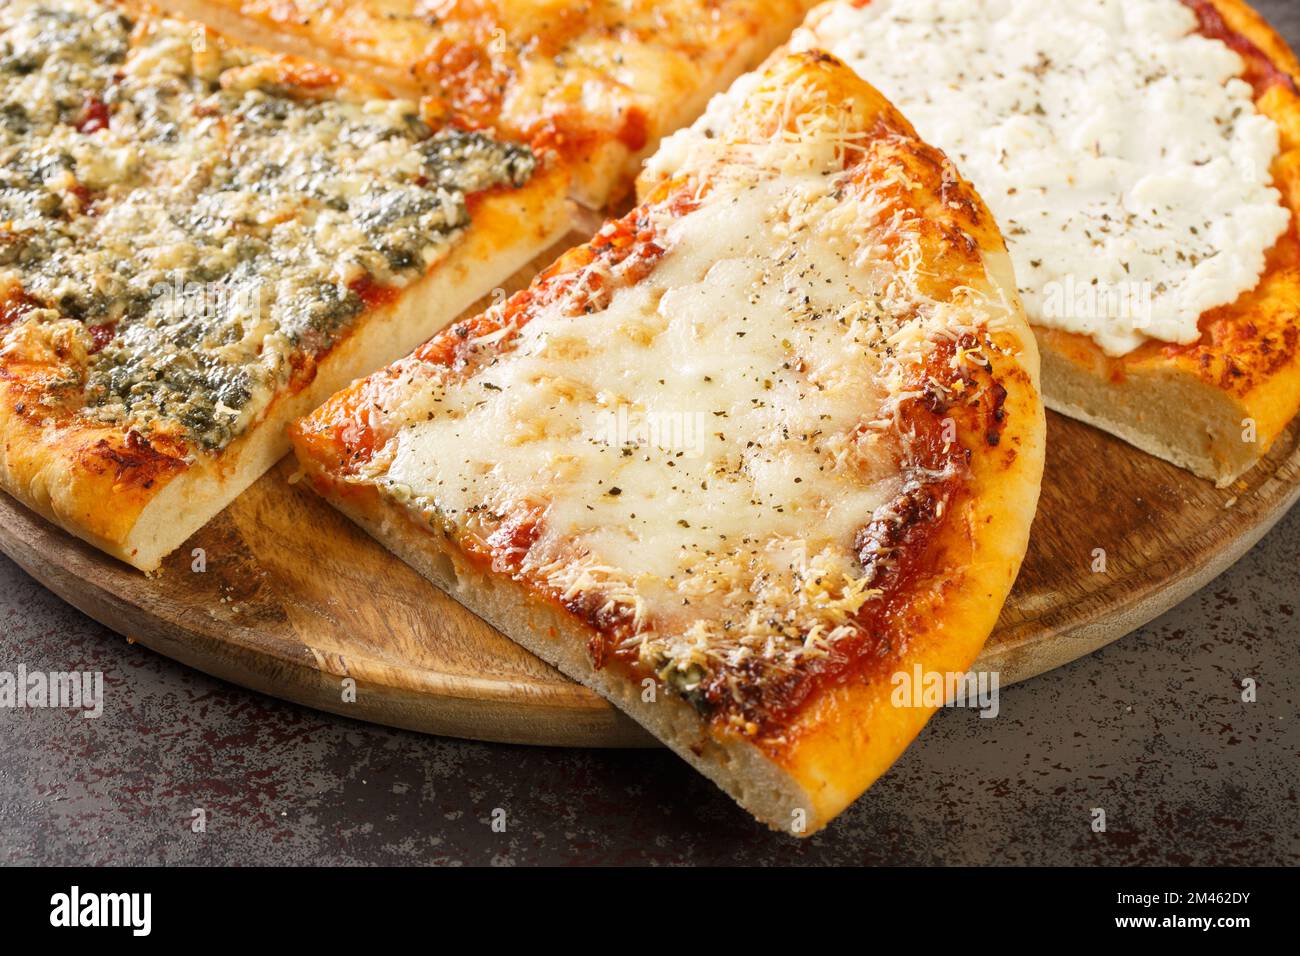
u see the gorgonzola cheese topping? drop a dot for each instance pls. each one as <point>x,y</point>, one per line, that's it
<point>1119,149</point>
<point>196,223</point>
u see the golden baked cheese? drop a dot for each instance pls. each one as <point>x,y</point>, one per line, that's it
<point>764,441</point>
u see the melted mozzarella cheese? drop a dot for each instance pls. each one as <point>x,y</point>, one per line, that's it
<point>700,427</point>
<point>1119,150</point>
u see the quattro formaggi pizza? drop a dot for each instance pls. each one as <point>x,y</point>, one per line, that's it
<point>827,309</point>
<point>763,442</point>
<point>200,242</point>
<point>1143,160</point>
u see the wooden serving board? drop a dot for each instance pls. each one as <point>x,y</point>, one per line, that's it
<point>293,599</point>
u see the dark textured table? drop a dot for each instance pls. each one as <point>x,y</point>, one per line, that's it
<point>1153,730</point>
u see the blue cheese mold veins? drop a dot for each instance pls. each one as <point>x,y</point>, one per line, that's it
<point>187,224</point>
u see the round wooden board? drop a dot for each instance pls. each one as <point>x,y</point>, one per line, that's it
<point>294,598</point>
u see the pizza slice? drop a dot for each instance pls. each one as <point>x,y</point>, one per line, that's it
<point>598,82</point>
<point>1143,160</point>
<point>762,444</point>
<point>200,242</point>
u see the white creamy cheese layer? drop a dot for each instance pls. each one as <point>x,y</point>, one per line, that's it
<point>698,428</point>
<point>1119,150</point>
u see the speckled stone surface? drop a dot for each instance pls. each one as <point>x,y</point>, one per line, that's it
<point>1152,730</point>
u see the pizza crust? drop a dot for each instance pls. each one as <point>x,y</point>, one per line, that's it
<point>800,774</point>
<point>553,634</point>
<point>141,520</point>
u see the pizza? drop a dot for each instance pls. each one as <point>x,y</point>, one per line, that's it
<point>201,241</point>
<point>597,82</point>
<point>765,441</point>
<point>1142,158</point>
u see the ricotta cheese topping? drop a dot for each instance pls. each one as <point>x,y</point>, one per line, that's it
<point>191,225</point>
<point>1119,150</point>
